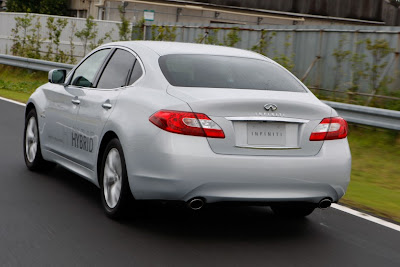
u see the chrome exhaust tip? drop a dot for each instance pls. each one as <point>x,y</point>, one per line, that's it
<point>196,203</point>
<point>325,203</point>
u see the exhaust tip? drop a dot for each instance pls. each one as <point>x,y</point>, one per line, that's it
<point>325,203</point>
<point>196,203</point>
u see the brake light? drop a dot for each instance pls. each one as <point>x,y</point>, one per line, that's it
<point>188,123</point>
<point>330,129</point>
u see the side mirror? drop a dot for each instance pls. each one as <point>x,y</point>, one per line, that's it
<point>57,76</point>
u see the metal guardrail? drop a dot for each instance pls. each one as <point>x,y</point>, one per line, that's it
<point>377,117</point>
<point>33,64</point>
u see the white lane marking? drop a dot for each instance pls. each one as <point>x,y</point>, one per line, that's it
<point>12,101</point>
<point>366,217</point>
<point>336,206</point>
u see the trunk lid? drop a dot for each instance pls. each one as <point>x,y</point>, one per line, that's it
<point>251,129</point>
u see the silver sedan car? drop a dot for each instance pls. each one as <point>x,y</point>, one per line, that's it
<point>186,122</point>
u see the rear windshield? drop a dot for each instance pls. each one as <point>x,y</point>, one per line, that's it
<point>226,72</point>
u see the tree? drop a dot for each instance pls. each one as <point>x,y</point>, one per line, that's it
<point>55,28</point>
<point>396,3</point>
<point>51,7</point>
<point>340,56</point>
<point>88,33</point>
<point>20,41</point>
<point>163,33</point>
<point>232,38</point>
<point>23,5</point>
<point>379,50</point>
<point>263,45</point>
<point>124,29</point>
<point>209,37</point>
<point>54,7</point>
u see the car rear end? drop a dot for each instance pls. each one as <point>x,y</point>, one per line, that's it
<point>253,133</point>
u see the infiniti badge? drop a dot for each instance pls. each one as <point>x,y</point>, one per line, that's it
<point>271,107</point>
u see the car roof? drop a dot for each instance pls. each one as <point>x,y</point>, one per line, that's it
<point>165,48</point>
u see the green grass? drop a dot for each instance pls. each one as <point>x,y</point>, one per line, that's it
<point>375,178</point>
<point>17,96</point>
<point>18,84</point>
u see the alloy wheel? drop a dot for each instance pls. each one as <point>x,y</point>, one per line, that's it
<point>31,139</point>
<point>112,178</point>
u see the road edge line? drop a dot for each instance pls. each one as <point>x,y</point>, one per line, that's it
<point>366,217</point>
<point>335,206</point>
<point>12,101</point>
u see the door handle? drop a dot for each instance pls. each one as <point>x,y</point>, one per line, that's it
<point>106,105</point>
<point>75,101</point>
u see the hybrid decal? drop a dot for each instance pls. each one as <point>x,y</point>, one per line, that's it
<point>82,142</point>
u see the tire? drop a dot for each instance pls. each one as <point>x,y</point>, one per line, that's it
<point>31,144</point>
<point>292,211</point>
<point>115,191</point>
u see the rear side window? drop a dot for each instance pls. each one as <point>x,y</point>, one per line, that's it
<point>136,73</point>
<point>117,70</point>
<point>226,72</point>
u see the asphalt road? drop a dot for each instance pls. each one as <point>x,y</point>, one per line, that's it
<point>55,219</point>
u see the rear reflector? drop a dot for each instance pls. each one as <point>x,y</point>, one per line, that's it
<point>188,123</point>
<point>330,129</point>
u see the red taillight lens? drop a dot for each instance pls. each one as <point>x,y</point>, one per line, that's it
<point>188,123</point>
<point>330,129</point>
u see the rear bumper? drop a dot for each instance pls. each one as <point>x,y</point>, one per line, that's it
<point>178,167</point>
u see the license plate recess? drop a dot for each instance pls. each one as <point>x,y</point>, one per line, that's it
<point>266,133</point>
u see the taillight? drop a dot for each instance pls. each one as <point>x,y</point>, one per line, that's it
<point>188,123</point>
<point>330,129</point>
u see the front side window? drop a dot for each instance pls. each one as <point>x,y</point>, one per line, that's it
<point>212,71</point>
<point>117,70</point>
<point>86,72</point>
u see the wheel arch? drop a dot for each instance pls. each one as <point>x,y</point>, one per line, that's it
<point>107,137</point>
<point>29,107</point>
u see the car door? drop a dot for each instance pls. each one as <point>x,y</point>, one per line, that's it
<point>97,103</point>
<point>66,104</point>
<point>59,116</point>
<point>63,105</point>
